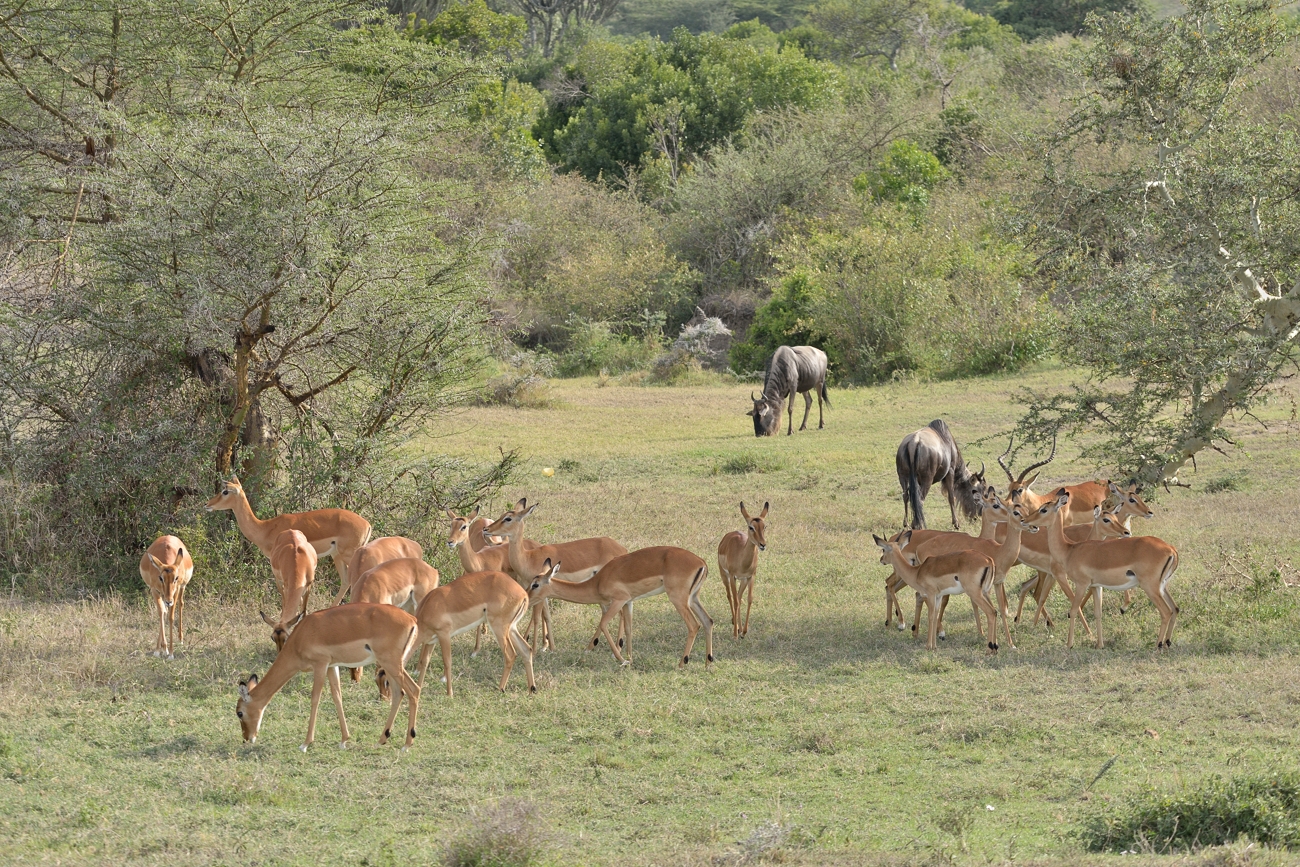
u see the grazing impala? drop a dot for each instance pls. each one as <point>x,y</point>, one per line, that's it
<point>347,635</point>
<point>647,572</point>
<point>738,563</point>
<point>166,569</point>
<point>334,532</point>
<point>1117,564</point>
<point>969,572</point>
<point>403,582</point>
<point>493,598</point>
<point>582,558</point>
<point>374,552</point>
<point>293,563</point>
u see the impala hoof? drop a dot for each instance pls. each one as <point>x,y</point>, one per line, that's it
<point>304,747</point>
<point>343,745</point>
<point>902,626</point>
<point>943,636</point>
<point>626,663</point>
<point>532,689</point>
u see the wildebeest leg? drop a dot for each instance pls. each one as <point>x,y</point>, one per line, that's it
<point>950,490</point>
<point>821,423</point>
<point>790,423</point>
<point>807,408</point>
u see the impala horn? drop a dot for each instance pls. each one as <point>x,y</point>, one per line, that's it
<point>1003,464</point>
<point>1042,463</point>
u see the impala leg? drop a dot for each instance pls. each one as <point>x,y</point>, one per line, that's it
<point>341,567</point>
<point>890,603</point>
<point>502,635</point>
<point>916,618</point>
<point>1173,613</point>
<point>1042,590</point>
<point>336,691</point>
<point>317,686</point>
<point>356,674</point>
<point>625,624</point>
<point>930,642</point>
<point>426,652</point>
<point>983,605</point>
<point>546,624</point>
<point>1027,588</point>
<point>400,683</point>
<point>478,639</point>
<point>943,606</point>
<point>807,408</point>
<point>1000,586</point>
<point>383,682</point>
<point>1128,601</point>
<point>749,606</point>
<point>602,628</point>
<point>1096,609</point>
<point>692,628</point>
<point>1076,602</point>
<point>522,649</point>
<point>697,608</point>
<point>444,643</point>
<point>180,619</point>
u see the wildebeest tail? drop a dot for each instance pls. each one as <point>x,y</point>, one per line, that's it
<point>914,493</point>
<point>825,396</point>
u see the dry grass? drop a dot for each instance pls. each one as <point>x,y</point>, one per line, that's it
<point>863,747</point>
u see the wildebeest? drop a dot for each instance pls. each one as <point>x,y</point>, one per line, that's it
<point>799,369</point>
<point>931,455</point>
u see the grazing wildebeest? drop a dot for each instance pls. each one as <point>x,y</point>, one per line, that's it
<point>931,455</point>
<point>799,369</point>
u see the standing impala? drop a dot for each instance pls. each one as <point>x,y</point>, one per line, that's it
<point>293,563</point>
<point>472,599</point>
<point>166,569</point>
<point>582,558</point>
<point>646,572</point>
<point>1117,564</point>
<point>738,563</point>
<point>346,635</point>
<point>335,532</point>
<point>403,583</point>
<point>969,572</point>
<point>374,552</point>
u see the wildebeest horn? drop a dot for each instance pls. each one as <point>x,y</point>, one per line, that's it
<point>751,396</point>
<point>1003,464</point>
<point>1043,463</point>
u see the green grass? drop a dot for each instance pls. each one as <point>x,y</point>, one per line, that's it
<point>841,741</point>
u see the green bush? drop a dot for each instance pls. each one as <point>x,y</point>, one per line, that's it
<point>906,175</point>
<point>784,320</point>
<point>1262,809</point>
<point>594,347</point>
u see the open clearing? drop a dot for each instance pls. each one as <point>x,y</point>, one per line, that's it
<point>873,748</point>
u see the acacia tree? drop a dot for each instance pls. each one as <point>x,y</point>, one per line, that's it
<point>224,248</point>
<point>1169,217</point>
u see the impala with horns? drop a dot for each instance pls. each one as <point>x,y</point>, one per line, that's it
<point>1117,564</point>
<point>969,572</point>
<point>1084,497</point>
<point>640,574</point>
<point>790,371</point>
<point>738,564</point>
<point>166,569</point>
<point>582,558</point>
<point>345,635</point>
<point>931,455</point>
<point>293,563</point>
<point>472,599</point>
<point>374,552</point>
<point>336,533</point>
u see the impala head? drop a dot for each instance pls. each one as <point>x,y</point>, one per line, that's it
<point>1017,487</point>
<point>459,533</point>
<point>167,576</point>
<point>540,587</point>
<point>1001,513</point>
<point>512,522</point>
<point>757,526</point>
<point>250,717</point>
<point>1130,502</point>
<point>1111,524</point>
<point>1042,515</point>
<point>280,630</point>
<point>231,492</point>
<point>766,416</point>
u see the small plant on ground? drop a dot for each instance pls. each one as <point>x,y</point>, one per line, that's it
<point>508,834</point>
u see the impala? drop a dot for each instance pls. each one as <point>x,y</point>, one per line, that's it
<point>467,539</point>
<point>646,572</point>
<point>293,563</point>
<point>989,521</point>
<point>166,569</point>
<point>346,635</point>
<point>968,571</point>
<point>493,598</point>
<point>374,552</point>
<point>582,558</point>
<point>1004,555</point>
<point>1118,564</point>
<point>738,563</point>
<point>334,532</point>
<point>403,582</point>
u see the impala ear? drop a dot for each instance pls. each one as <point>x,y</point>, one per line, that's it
<point>450,513</point>
<point>1096,512</point>
<point>554,570</point>
<point>530,510</point>
<point>904,539</point>
<point>157,564</point>
<point>879,541</point>
<point>269,621</point>
<point>1029,481</point>
<point>292,623</point>
<point>243,690</point>
<point>474,514</point>
<point>522,504</point>
<point>743,512</point>
<point>763,514</point>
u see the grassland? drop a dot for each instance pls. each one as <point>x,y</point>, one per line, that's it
<point>873,749</point>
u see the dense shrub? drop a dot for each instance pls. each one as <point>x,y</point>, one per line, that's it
<point>1262,809</point>
<point>509,834</point>
<point>594,347</point>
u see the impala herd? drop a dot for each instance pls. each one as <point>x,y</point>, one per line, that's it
<point>398,605</point>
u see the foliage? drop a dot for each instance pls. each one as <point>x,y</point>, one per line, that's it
<point>472,27</point>
<point>786,319</point>
<point>615,109</point>
<point>1033,19</point>
<point>1168,218</point>
<point>595,347</point>
<point>906,175</point>
<point>504,112</point>
<point>508,834</point>
<point>661,17</point>
<point>1263,809</point>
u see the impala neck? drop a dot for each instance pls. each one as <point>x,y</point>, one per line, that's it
<point>253,529</point>
<point>581,592</point>
<point>515,552</point>
<point>280,673</point>
<point>988,524</point>
<point>1058,545</point>
<point>470,561</point>
<point>905,570</point>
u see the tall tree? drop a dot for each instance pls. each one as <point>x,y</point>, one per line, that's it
<point>1170,216</point>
